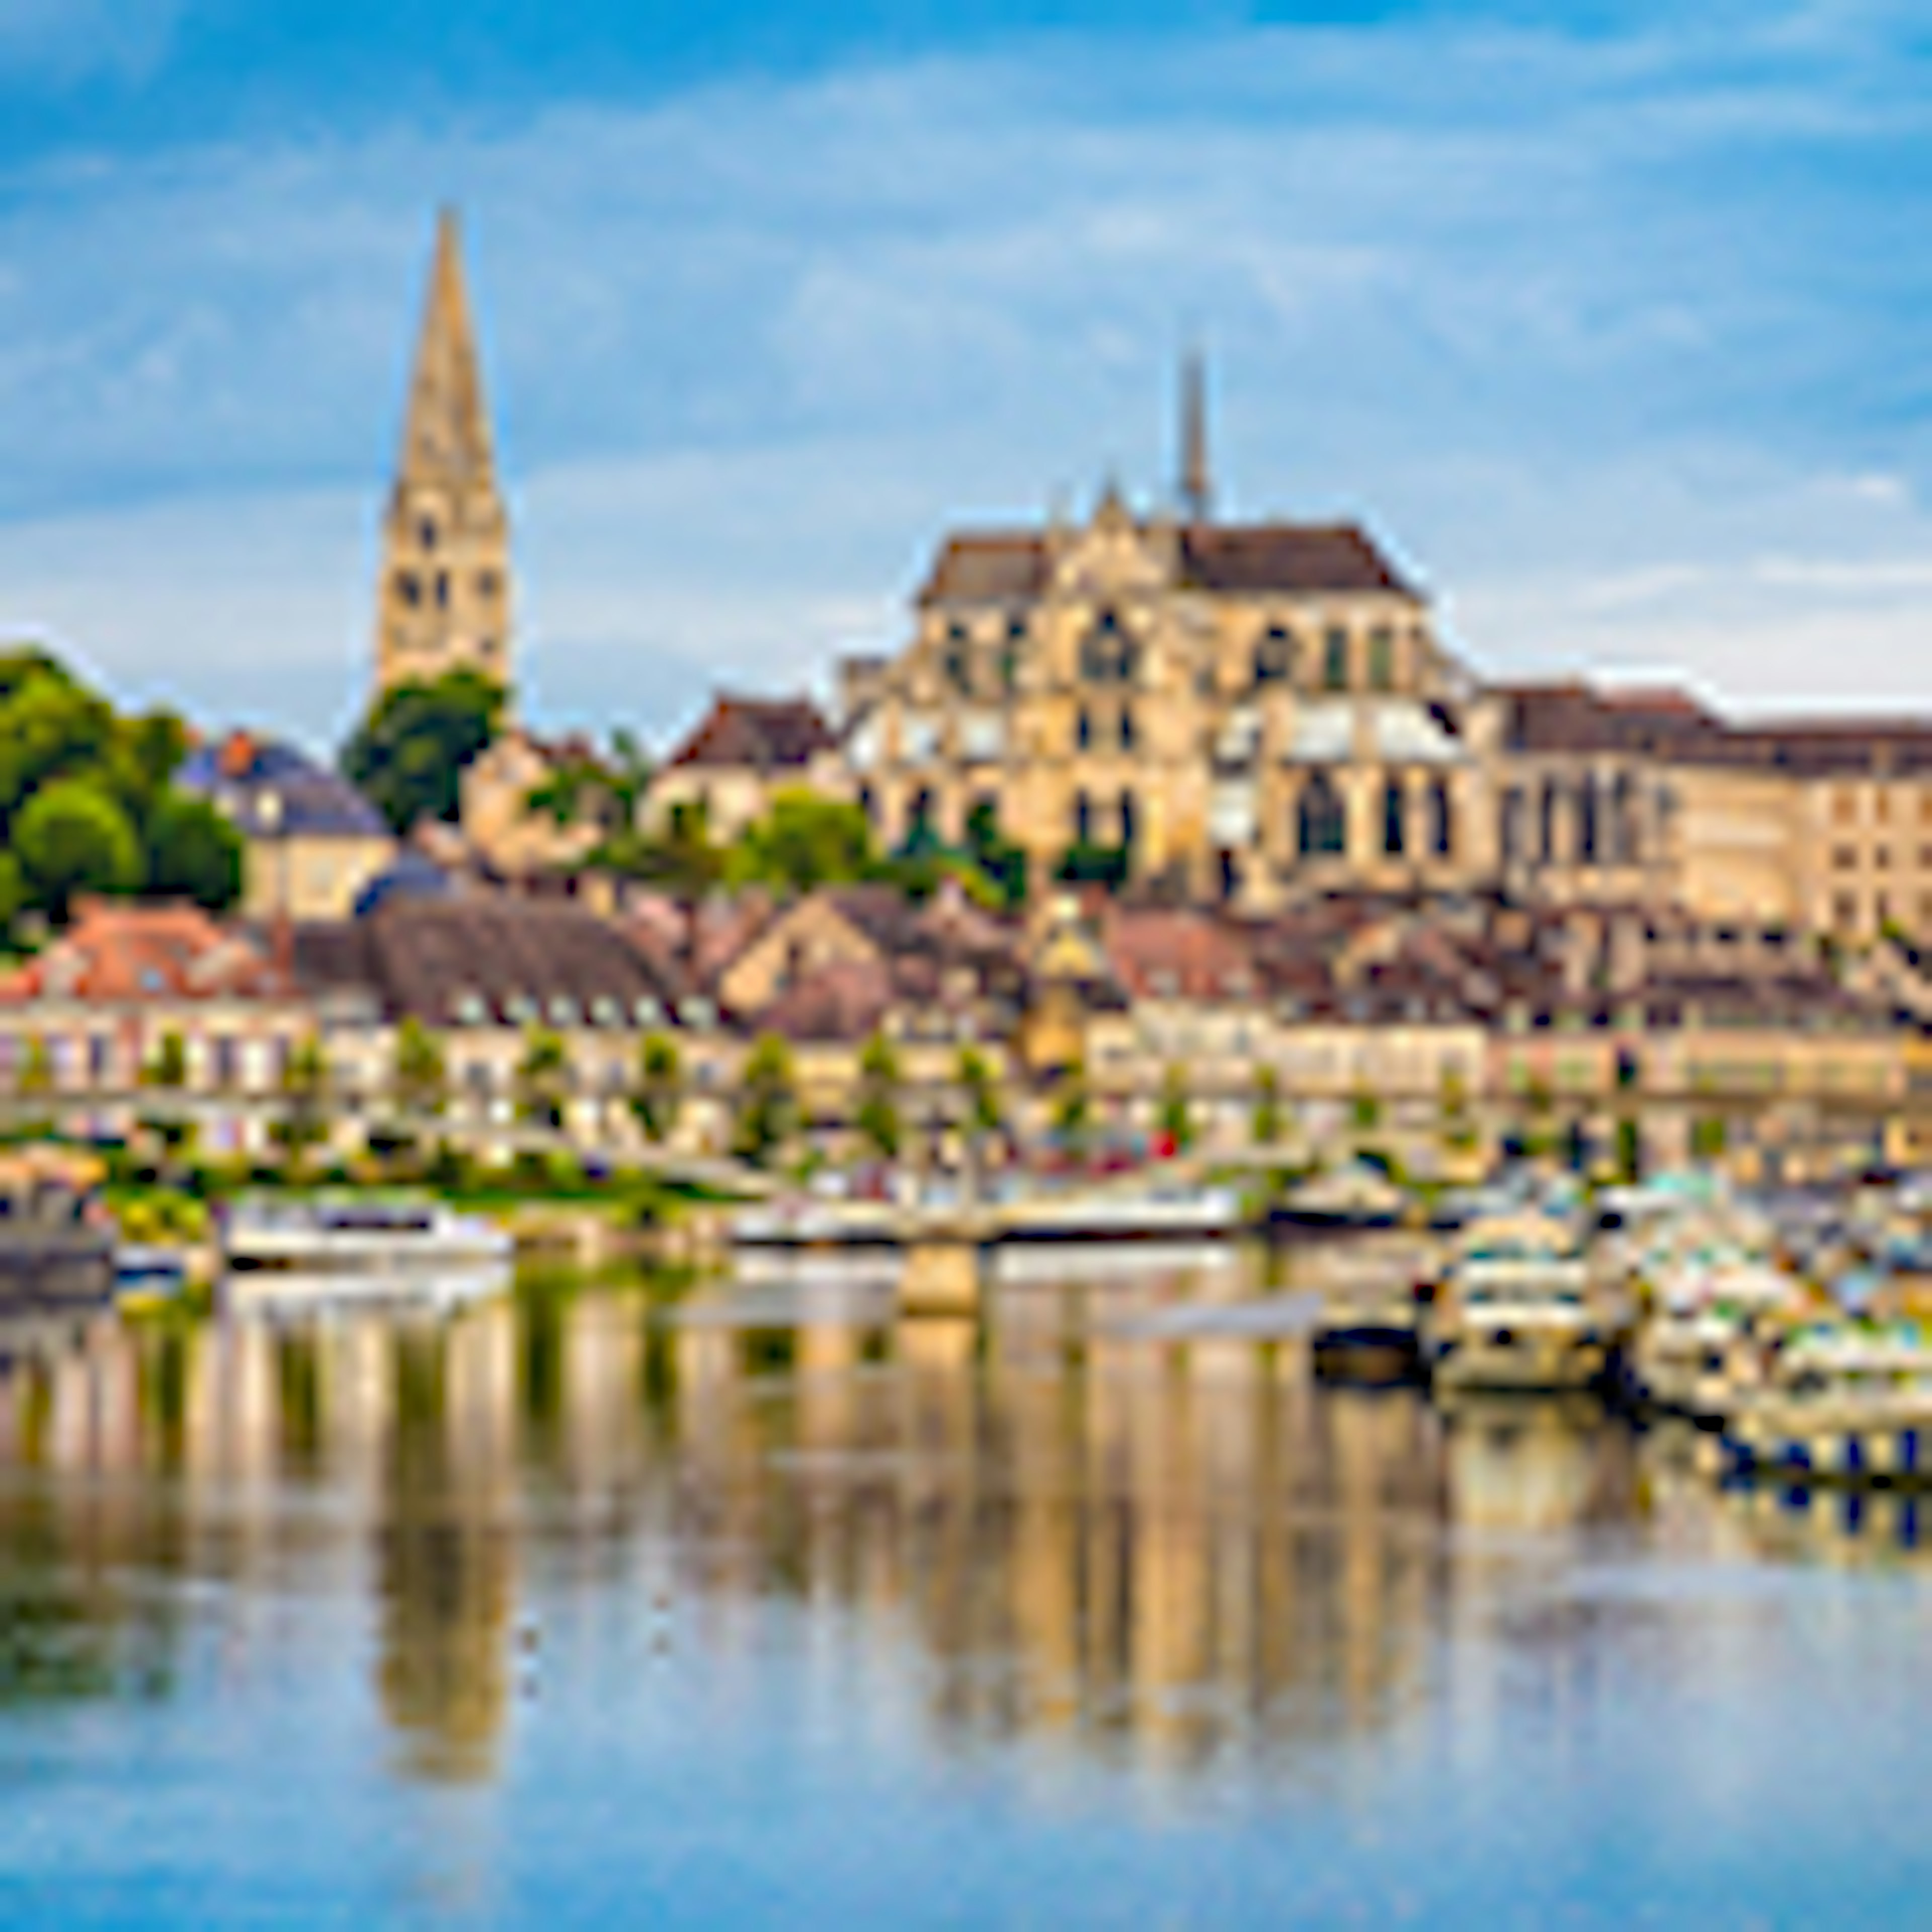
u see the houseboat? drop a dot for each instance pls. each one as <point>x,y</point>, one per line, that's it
<point>361,1247</point>
<point>56,1236</point>
<point>1843,1403</point>
<point>1520,1307</point>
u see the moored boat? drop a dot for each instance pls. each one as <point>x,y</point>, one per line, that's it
<point>1842,1402</point>
<point>1521,1309</point>
<point>373,1239</point>
<point>56,1238</point>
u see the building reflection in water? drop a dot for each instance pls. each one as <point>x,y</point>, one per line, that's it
<point>1157,1550</point>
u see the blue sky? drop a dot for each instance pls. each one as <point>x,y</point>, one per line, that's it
<point>1614,320</point>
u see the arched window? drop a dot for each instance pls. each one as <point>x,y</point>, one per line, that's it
<point>1441,819</point>
<point>1547,827</point>
<point>1335,659</point>
<point>1108,655</point>
<point>1587,840</point>
<point>1083,728</point>
<point>1394,819</point>
<point>1623,820</point>
<point>1274,656</point>
<point>1511,828</point>
<point>1127,733</point>
<point>1083,818</point>
<point>1321,827</point>
<point>409,588</point>
<point>1129,821</point>
<point>426,533</point>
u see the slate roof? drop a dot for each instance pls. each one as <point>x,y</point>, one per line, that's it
<point>1013,566</point>
<point>483,960</point>
<point>240,772</point>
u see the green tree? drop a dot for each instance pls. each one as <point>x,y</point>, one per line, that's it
<point>1001,863</point>
<point>973,1076</point>
<point>408,754</point>
<point>767,1113</point>
<point>1176,1115</point>
<point>167,1066</point>
<point>36,1067</point>
<point>72,837</point>
<point>1264,1120</point>
<point>304,1121</point>
<point>192,852</point>
<point>877,1118</point>
<point>1073,1109</point>
<point>681,858</point>
<point>658,1097</point>
<point>419,1079</point>
<point>804,841</point>
<point>166,1070</point>
<point>543,1079</point>
<point>1085,863</point>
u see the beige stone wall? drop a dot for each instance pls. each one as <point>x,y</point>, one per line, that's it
<point>497,821</point>
<point>1867,841</point>
<point>309,878</point>
<point>1739,853</point>
<point>1231,705</point>
<point>804,939</point>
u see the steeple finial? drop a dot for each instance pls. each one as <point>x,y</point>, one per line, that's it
<point>1197,485</point>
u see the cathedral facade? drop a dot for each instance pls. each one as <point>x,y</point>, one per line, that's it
<point>1252,713</point>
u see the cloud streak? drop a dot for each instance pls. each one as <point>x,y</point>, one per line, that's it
<point>1614,336</point>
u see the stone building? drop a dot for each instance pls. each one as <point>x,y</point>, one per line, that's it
<point>1260,714</point>
<point>444,601</point>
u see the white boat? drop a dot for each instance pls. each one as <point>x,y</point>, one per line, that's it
<point>1521,1309</point>
<point>359,1235</point>
<point>1838,1404</point>
<point>147,1268</point>
<point>1163,1214</point>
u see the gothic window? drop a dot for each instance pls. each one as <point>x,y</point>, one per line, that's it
<point>1381,660</point>
<point>1511,829</point>
<point>1321,827</point>
<point>1394,828</point>
<point>1128,825</point>
<point>409,588</point>
<point>1441,819</point>
<point>443,590</point>
<point>1083,818</point>
<point>1108,656</point>
<point>426,533</point>
<point>1335,659</point>
<point>1274,657</point>
<point>1126,734</point>
<point>1083,728</point>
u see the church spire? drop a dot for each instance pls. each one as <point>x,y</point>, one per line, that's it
<point>446,437</point>
<point>1197,485</point>
<point>444,603</point>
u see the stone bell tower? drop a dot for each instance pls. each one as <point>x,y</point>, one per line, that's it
<point>444,602</point>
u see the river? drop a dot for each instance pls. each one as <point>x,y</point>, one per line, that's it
<point>567,1609</point>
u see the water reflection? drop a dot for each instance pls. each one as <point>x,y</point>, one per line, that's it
<point>1153,1551</point>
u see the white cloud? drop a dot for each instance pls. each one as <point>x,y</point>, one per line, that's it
<point>1613,338</point>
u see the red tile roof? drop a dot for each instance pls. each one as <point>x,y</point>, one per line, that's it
<point>767,734</point>
<point>115,952</point>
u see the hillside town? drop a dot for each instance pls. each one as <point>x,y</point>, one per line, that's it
<point>1158,828</point>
